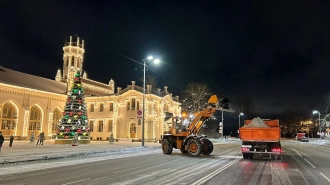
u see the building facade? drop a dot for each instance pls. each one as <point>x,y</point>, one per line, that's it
<point>31,104</point>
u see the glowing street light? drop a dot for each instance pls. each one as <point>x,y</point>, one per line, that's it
<point>239,119</point>
<point>156,61</point>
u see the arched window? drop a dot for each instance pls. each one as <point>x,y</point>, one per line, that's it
<point>56,118</point>
<point>8,118</point>
<point>35,120</point>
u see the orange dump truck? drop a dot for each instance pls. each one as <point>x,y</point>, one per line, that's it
<point>261,136</point>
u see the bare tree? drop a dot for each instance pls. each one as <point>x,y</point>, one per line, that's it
<point>195,97</point>
<point>150,80</point>
<point>293,118</point>
<point>249,108</point>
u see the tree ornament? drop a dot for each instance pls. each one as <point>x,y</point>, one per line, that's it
<point>65,137</point>
<point>73,127</point>
<point>72,133</point>
<point>79,113</point>
<point>69,121</point>
<point>67,129</point>
<point>62,128</point>
<point>77,74</point>
<point>79,130</point>
<point>79,107</point>
<point>79,101</point>
<point>75,116</point>
<point>79,92</point>
<point>75,90</point>
<point>69,100</point>
<point>74,97</point>
<point>64,113</point>
<point>66,116</point>
<point>71,113</point>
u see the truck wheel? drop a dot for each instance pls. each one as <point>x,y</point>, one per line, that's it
<point>207,147</point>
<point>167,147</point>
<point>272,156</point>
<point>194,147</point>
<point>245,155</point>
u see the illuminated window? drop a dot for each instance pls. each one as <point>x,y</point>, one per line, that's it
<point>111,106</point>
<point>92,108</point>
<point>8,116</point>
<point>128,106</point>
<point>133,103</point>
<point>101,107</point>
<point>137,105</point>
<point>56,118</point>
<point>100,126</point>
<point>91,125</point>
<point>35,118</point>
<point>110,128</point>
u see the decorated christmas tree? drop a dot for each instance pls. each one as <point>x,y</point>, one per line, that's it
<point>73,125</point>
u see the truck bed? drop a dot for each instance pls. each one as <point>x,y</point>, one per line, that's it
<point>260,134</point>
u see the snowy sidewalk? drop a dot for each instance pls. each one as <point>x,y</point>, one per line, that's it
<point>26,151</point>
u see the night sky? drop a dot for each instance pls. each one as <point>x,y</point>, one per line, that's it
<point>274,52</point>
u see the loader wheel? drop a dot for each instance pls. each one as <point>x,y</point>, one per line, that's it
<point>194,147</point>
<point>167,147</point>
<point>183,151</point>
<point>207,147</point>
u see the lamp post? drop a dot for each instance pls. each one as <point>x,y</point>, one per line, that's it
<point>156,61</point>
<point>239,121</point>
<point>317,112</point>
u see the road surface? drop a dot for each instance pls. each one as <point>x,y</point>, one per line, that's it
<point>302,163</point>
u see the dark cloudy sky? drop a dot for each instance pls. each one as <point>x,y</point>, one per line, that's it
<point>275,52</point>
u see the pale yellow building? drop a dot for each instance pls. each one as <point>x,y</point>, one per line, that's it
<point>30,103</point>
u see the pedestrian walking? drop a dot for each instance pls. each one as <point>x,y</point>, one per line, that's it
<point>2,139</point>
<point>41,138</point>
<point>38,139</point>
<point>11,140</point>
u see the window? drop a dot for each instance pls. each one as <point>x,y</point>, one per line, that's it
<point>35,118</point>
<point>91,125</point>
<point>56,118</point>
<point>128,106</point>
<point>72,61</point>
<point>137,105</point>
<point>111,106</point>
<point>92,108</point>
<point>101,107</point>
<point>8,116</point>
<point>100,126</point>
<point>133,103</point>
<point>110,128</point>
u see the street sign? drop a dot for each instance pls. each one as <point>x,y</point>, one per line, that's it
<point>139,112</point>
<point>139,117</point>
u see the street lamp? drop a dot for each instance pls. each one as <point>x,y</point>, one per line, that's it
<point>317,112</point>
<point>156,61</point>
<point>239,119</point>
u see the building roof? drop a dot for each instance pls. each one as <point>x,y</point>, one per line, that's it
<point>12,77</point>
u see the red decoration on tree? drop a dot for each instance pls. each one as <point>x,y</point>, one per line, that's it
<point>71,113</point>
<point>79,130</point>
<point>67,129</point>
<point>79,113</point>
<point>65,137</point>
<point>64,113</point>
<point>80,101</point>
<point>69,100</point>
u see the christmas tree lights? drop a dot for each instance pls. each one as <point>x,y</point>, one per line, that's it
<point>74,122</point>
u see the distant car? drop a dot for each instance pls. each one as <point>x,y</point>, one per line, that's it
<point>304,139</point>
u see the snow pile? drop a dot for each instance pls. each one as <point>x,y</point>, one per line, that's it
<point>256,122</point>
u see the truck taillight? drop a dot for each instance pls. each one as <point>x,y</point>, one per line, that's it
<point>276,150</point>
<point>244,149</point>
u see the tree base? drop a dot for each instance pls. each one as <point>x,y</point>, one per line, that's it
<point>69,141</point>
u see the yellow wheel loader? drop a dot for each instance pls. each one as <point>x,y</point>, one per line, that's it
<point>185,137</point>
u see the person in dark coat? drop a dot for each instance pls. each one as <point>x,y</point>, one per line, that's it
<point>11,140</point>
<point>41,138</point>
<point>2,139</point>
